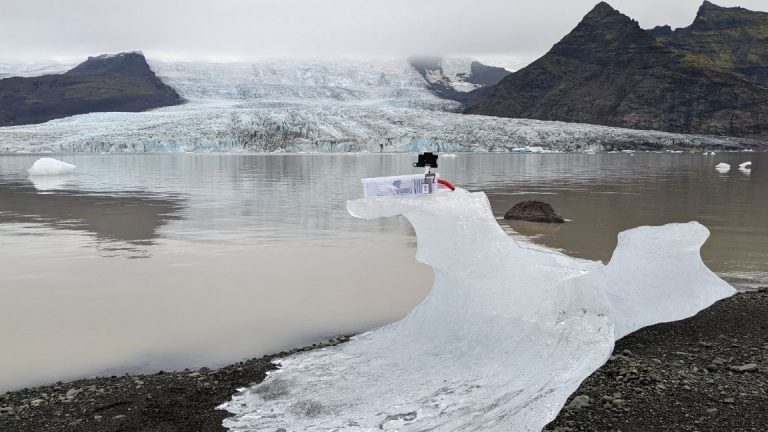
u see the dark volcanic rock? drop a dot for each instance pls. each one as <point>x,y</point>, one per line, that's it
<point>484,75</point>
<point>706,79</point>
<point>122,82</point>
<point>734,40</point>
<point>533,211</point>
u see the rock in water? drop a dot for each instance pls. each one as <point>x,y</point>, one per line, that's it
<point>534,211</point>
<point>50,167</point>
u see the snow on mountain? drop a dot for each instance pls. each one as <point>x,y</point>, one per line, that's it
<point>453,73</point>
<point>31,69</point>
<point>311,105</point>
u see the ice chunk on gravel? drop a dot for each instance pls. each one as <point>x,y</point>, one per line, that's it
<point>507,333</point>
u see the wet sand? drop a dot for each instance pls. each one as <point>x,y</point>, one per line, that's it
<point>706,373</point>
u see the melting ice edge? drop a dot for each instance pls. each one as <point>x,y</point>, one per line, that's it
<point>504,337</point>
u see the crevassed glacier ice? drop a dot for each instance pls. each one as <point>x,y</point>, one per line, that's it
<point>507,333</point>
<point>310,105</point>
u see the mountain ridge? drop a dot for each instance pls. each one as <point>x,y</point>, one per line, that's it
<point>609,71</point>
<point>119,82</point>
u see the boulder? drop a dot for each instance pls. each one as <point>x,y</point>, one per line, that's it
<point>534,211</point>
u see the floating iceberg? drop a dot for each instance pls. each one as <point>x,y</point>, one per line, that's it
<point>745,165</point>
<point>722,167</point>
<point>50,167</point>
<point>528,149</point>
<point>507,333</point>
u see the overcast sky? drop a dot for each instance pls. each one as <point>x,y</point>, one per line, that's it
<point>244,29</point>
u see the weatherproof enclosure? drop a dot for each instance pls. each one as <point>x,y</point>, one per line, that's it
<point>395,185</point>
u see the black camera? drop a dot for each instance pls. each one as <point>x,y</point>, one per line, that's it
<point>427,158</point>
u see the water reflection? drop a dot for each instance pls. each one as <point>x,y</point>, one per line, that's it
<point>124,221</point>
<point>50,183</point>
<point>251,254</point>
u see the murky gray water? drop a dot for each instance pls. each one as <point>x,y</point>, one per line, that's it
<point>166,261</point>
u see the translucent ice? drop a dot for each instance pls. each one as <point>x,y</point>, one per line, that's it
<point>747,164</point>
<point>50,167</point>
<point>507,333</point>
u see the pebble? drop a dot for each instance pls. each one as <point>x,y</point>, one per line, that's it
<point>578,402</point>
<point>745,368</point>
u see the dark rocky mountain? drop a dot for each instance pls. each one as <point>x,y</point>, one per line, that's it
<point>465,86</point>
<point>122,82</point>
<point>708,78</point>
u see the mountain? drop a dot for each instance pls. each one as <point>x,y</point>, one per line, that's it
<point>708,78</point>
<point>457,79</point>
<point>730,39</point>
<point>320,105</point>
<point>121,82</point>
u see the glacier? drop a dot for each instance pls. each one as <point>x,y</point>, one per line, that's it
<point>506,334</point>
<point>313,105</point>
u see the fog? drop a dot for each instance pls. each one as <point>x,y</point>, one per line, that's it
<point>516,30</point>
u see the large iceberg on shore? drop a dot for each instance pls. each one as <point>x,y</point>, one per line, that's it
<point>507,333</point>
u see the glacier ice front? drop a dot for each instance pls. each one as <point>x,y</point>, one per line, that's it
<point>507,333</point>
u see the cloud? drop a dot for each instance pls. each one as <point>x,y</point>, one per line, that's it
<point>243,29</point>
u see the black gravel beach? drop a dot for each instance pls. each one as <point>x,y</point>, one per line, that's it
<point>706,373</point>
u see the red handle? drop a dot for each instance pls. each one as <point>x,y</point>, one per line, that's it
<point>446,183</point>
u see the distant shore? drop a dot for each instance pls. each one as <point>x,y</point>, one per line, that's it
<point>706,373</point>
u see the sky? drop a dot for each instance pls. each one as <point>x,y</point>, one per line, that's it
<point>225,30</point>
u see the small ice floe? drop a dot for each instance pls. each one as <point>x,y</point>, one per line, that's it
<point>528,149</point>
<point>50,167</point>
<point>745,167</point>
<point>450,155</point>
<point>722,167</point>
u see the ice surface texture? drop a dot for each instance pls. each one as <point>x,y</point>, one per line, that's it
<point>507,333</point>
<point>309,105</point>
<point>50,167</point>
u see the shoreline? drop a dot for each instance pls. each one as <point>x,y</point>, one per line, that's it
<point>705,373</point>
